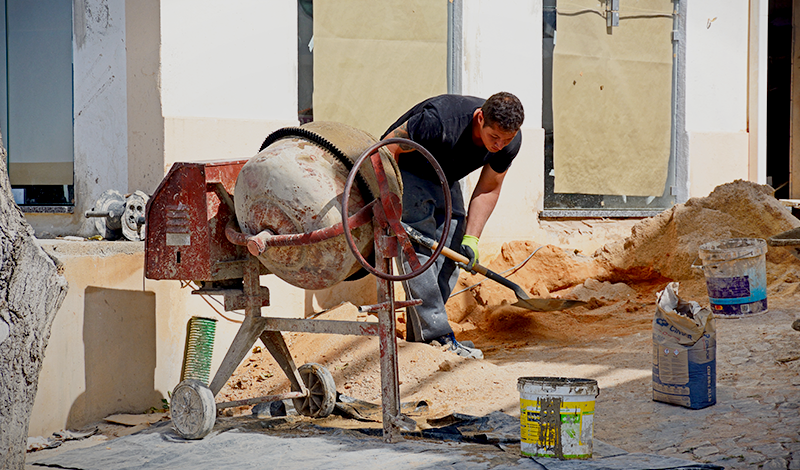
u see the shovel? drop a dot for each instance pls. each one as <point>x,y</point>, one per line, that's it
<point>537,305</point>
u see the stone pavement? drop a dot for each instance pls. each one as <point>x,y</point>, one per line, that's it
<point>756,420</point>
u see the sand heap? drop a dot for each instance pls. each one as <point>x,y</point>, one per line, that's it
<point>660,249</point>
<point>666,245</point>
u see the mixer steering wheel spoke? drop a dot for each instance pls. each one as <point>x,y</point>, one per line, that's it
<point>389,211</point>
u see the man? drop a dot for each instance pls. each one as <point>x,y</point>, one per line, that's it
<point>463,133</point>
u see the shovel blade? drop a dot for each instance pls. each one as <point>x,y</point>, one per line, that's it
<point>547,305</point>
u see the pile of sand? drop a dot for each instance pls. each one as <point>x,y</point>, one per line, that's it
<point>666,245</point>
<point>660,249</point>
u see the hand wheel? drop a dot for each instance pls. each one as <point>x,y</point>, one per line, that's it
<point>391,207</point>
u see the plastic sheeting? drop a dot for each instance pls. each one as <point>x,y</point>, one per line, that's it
<point>612,91</point>
<point>375,60</point>
<point>306,446</point>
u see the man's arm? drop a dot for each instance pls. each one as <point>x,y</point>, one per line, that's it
<point>483,200</point>
<point>397,149</point>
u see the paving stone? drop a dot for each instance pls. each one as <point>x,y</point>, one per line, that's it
<point>738,360</point>
<point>674,452</point>
<point>775,464</point>
<point>705,451</point>
<point>760,347</point>
<point>768,413</point>
<point>727,446</point>
<point>772,451</point>
<point>719,459</point>
<point>749,406</point>
<point>753,458</point>
<point>732,463</point>
<point>774,399</point>
<point>742,423</point>
<point>794,463</point>
<point>794,446</point>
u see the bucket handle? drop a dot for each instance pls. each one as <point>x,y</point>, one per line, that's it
<point>701,266</point>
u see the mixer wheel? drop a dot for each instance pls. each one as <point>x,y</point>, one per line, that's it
<point>193,409</point>
<point>321,391</point>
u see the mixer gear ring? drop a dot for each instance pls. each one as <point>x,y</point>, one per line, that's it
<point>391,207</point>
<point>285,132</point>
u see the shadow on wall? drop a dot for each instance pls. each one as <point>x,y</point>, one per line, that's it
<point>119,339</point>
<point>358,292</point>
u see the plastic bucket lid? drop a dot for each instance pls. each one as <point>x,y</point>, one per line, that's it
<point>732,249</point>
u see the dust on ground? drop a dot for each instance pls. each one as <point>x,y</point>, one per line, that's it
<point>608,339</point>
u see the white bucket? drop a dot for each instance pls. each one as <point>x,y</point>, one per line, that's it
<point>556,416</point>
<point>736,276</point>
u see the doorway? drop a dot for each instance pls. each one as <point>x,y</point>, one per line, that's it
<point>780,43</point>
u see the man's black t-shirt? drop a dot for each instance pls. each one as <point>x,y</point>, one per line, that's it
<point>443,125</point>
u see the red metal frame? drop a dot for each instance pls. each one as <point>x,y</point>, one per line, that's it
<point>186,219</point>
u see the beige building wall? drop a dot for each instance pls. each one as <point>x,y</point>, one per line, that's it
<point>717,93</point>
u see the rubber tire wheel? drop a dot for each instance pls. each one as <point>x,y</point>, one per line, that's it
<point>193,409</point>
<point>321,397</point>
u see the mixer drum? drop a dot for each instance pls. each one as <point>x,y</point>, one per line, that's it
<point>295,185</point>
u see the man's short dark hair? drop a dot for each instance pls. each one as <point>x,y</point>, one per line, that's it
<point>503,110</point>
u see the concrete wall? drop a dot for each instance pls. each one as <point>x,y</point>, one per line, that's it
<point>228,76</point>
<point>502,44</point>
<point>145,120</point>
<point>117,343</point>
<point>100,116</point>
<point>716,92</point>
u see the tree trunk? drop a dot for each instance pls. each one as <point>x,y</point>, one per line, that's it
<point>31,291</point>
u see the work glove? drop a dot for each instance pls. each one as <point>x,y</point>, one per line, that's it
<point>469,248</point>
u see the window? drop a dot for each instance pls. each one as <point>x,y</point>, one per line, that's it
<point>608,108</point>
<point>36,100</point>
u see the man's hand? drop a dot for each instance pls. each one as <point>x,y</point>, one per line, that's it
<point>469,248</point>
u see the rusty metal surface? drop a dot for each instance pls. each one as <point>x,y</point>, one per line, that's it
<point>337,327</point>
<point>186,223</point>
<point>293,187</point>
<point>353,142</point>
<point>393,421</point>
<point>258,243</point>
<point>389,212</point>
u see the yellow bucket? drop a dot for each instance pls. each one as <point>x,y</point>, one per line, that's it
<point>556,416</point>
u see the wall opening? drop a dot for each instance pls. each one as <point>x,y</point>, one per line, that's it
<point>36,100</point>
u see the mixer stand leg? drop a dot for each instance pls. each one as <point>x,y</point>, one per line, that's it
<point>393,421</point>
<point>245,338</point>
<point>275,344</point>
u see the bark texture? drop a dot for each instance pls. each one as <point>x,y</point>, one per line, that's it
<point>31,291</point>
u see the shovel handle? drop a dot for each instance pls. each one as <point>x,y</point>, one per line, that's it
<point>449,253</point>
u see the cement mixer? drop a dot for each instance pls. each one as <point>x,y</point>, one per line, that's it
<point>310,209</point>
<point>294,185</point>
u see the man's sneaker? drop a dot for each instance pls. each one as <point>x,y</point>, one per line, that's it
<point>450,344</point>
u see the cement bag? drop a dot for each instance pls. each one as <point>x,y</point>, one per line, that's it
<point>684,352</point>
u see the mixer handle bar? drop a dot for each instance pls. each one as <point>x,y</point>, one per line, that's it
<point>257,244</point>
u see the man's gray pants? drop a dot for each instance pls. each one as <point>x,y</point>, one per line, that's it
<point>424,209</point>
